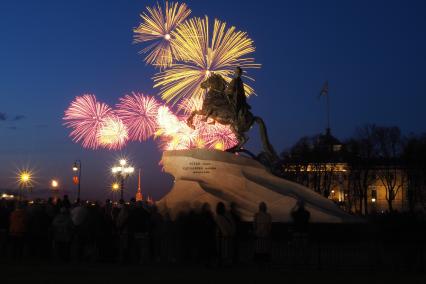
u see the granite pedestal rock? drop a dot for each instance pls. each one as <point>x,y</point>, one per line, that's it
<point>212,176</point>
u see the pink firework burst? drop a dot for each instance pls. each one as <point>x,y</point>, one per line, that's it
<point>217,136</point>
<point>139,114</point>
<point>85,116</point>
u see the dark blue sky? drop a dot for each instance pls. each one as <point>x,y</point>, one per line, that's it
<point>372,52</point>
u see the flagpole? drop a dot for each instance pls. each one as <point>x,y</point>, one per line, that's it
<point>328,112</point>
<point>324,92</point>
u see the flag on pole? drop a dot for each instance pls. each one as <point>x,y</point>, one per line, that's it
<point>324,90</point>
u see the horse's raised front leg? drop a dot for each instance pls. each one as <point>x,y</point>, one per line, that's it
<point>190,120</point>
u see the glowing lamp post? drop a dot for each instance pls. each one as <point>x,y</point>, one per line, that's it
<point>54,184</point>
<point>25,177</point>
<point>24,182</point>
<point>121,173</point>
<point>115,187</point>
<point>76,168</point>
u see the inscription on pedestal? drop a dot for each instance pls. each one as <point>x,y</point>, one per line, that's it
<point>199,167</point>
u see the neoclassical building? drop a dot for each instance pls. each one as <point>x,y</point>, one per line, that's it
<point>322,163</point>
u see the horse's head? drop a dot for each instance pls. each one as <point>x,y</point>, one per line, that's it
<point>214,82</point>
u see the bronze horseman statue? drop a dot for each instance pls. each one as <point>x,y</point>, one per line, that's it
<point>226,104</point>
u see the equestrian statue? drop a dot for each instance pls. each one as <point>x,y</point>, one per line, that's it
<point>226,103</point>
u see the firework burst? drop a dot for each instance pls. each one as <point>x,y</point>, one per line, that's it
<point>113,133</point>
<point>219,137</point>
<point>174,132</point>
<point>86,116</point>
<point>201,55</point>
<point>157,27</point>
<point>177,135</point>
<point>139,114</point>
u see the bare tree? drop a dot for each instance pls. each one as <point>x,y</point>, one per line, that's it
<point>362,155</point>
<point>390,173</point>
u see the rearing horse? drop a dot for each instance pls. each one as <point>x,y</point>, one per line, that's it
<point>220,107</point>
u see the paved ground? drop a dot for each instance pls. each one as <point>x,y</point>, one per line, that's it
<point>108,273</point>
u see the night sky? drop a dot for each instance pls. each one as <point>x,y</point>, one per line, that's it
<point>372,52</point>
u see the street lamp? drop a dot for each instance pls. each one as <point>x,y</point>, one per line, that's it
<point>24,181</point>
<point>54,183</point>
<point>76,168</point>
<point>25,177</point>
<point>121,173</point>
<point>115,186</point>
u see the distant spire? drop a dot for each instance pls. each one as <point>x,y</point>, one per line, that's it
<point>139,196</point>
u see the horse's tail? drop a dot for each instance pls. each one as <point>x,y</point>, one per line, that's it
<point>267,147</point>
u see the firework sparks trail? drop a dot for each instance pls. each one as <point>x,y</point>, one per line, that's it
<point>157,27</point>
<point>139,114</point>
<point>200,55</point>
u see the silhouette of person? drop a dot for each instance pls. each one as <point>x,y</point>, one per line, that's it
<point>62,234</point>
<point>207,234</point>
<point>18,227</point>
<point>262,225</point>
<point>66,202</point>
<point>238,231</point>
<point>225,233</point>
<point>300,216</point>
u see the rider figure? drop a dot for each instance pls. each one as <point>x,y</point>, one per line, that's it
<point>208,101</point>
<point>235,90</point>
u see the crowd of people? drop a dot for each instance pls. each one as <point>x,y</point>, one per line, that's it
<point>132,232</point>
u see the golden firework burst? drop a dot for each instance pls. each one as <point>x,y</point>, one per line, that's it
<point>157,27</point>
